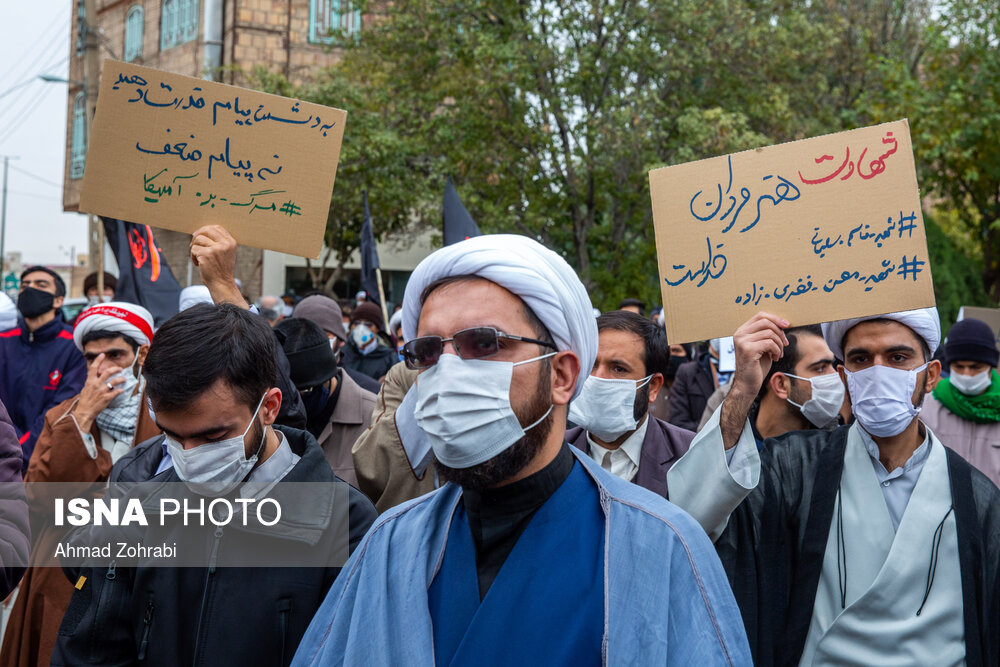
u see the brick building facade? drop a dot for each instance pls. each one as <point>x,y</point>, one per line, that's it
<point>287,36</point>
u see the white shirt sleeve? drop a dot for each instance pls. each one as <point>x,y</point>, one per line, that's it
<point>709,482</point>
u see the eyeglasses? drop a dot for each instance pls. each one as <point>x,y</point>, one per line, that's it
<point>475,343</point>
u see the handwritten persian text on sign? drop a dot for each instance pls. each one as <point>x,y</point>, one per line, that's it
<point>176,152</point>
<point>815,230</point>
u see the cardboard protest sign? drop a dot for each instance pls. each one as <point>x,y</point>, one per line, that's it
<point>814,230</point>
<point>176,152</point>
<point>989,315</point>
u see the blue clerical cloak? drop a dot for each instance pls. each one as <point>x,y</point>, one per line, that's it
<point>664,598</point>
<point>546,605</point>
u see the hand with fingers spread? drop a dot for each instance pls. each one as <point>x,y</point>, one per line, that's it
<point>98,391</point>
<point>759,342</point>
<point>213,251</point>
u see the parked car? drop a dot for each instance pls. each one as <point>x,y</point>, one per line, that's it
<point>72,306</point>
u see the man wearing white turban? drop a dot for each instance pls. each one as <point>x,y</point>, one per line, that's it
<point>529,553</point>
<point>81,439</point>
<point>871,544</point>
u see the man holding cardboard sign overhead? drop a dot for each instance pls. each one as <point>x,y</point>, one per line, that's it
<point>871,544</point>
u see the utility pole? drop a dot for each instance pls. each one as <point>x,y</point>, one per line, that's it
<point>3,216</point>
<point>91,69</point>
<point>3,220</point>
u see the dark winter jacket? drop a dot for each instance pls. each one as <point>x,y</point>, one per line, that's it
<point>693,384</point>
<point>375,364</point>
<point>662,447</point>
<point>38,370</point>
<point>14,532</point>
<point>215,616</point>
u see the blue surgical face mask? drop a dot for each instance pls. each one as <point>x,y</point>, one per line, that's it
<point>463,405</point>
<point>882,398</point>
<point>216,468</point>
<point>128,387</point>
<point>826,400</point>
<point>606,407</point>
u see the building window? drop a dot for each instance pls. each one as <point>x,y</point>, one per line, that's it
<point>133,34</point>
<point>178,22</point>
<point>78,150</point>
<point>328,19</point>
<point>81,28</point>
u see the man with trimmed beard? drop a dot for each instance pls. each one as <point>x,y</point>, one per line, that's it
<point>872,544</point>
<point>615,426</point>
<point>530,553</point>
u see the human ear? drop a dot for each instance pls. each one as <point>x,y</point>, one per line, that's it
<point>655,385</point>
<point>781,385</point>
<point>565,372</point>
<point>271,405</point>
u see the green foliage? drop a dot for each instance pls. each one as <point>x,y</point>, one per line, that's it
<point>953,102</point>
<point>548,115</point>
<point>956,277</point>
<point>377,155</point>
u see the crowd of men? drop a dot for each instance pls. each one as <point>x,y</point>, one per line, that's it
<point>523,482</point>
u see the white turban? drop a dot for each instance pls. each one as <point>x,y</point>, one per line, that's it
<point>924,322</point>
<point>540,277</point>
<point>8,313</point>
<point>193,295</point>
<point>126,319</point>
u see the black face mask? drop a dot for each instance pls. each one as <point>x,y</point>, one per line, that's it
<point>314,401</point>
<point>673,364</point>
<point>34,302</point>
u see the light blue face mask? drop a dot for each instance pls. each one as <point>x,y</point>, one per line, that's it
<point>216,468</point>
<point>463,405</point>
<point>128,387</point>
<point>606,407</point>
<point>882,398</point>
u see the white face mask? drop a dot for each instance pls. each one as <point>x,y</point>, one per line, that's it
<point>215,468</point>
<point>364,338</point>
<point>131,381</point>
<point>606,408</point>
<point>827,398</point>
<point>882,398</point>
<point>972,385</point>
<point>463,405</point>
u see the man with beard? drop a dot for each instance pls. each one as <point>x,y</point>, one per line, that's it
<point>871,544</point>
<point>801,391</point>
<point>40,366</point>
<point>612,411</point>
<point>82,438</point>
<point>530,553</point>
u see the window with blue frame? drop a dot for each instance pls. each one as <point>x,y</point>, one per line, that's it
<point>78,147</point>
<point>178,22</point>
<point>133,33</point>
<point>81,28</point>
<point>328,19</point>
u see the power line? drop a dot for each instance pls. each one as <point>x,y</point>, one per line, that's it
<point>32,79</point>
<point>17,86</point>
<point>30,104</point>
<point>33,195</point>
<point>32,54</point>
<point>26,113</point>
<point>37,177</point>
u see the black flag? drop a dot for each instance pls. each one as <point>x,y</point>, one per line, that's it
<point>458,224</point>
<point>144,278</point>
<point>369,256</point>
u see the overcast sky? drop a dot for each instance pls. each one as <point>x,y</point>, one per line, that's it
<point>34,39</point>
